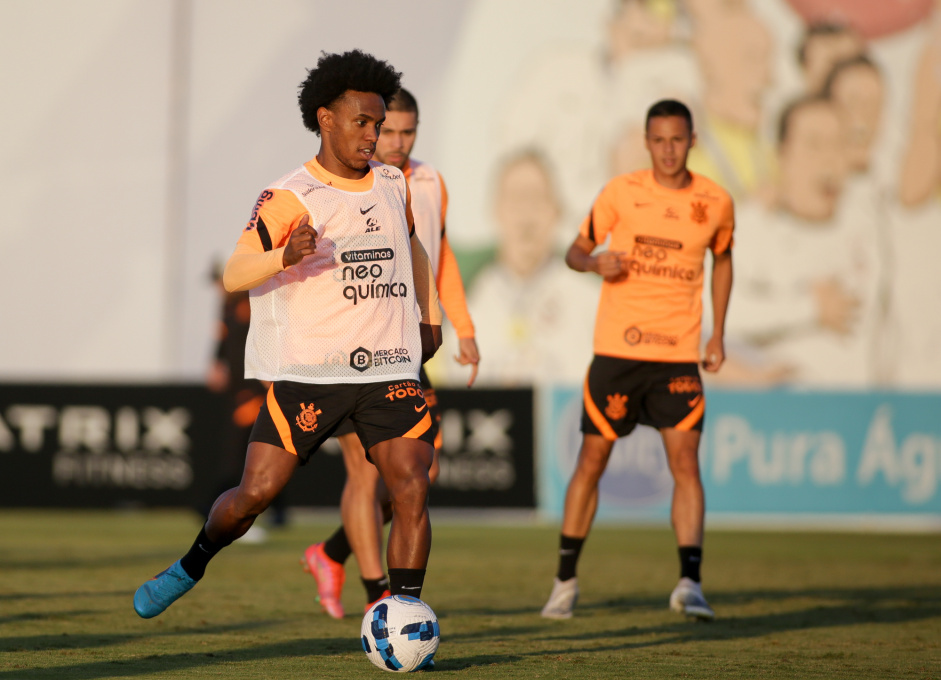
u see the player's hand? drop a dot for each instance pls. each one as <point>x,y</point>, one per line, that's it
<point>715,354</point>
<point>430,340</point>
<point>303,242</point>
<point>468,355</point>
<point>611,266</point>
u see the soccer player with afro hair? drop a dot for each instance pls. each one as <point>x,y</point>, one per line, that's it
<point>344,311</point>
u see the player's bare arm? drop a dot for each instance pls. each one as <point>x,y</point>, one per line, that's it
<point>721,291</point>
<point>427,294</point>
<point>454,301</point>
<point>609,265</point>
<point>303,242</point>
<point>425,290</point>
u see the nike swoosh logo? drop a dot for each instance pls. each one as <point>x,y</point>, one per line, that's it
<point>694,401</point>
<point>363,212</point>
<point>411,587</point>
<point>202,548</point>
<point>420,409</point>
<point>640,205</point>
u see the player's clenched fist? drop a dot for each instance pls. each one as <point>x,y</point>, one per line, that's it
<point>303,242</point>
<point>611,266</point>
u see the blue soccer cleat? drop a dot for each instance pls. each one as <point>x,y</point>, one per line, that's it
<point>161,591</point>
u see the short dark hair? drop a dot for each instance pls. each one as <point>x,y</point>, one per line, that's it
<point>784,122</point>
<point>845,65</point>
<point>818,30</point>
<point>403,101</point>
<point>669,107</point>
<point>337,73</point>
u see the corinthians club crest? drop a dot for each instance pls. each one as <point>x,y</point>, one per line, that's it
<point>307,418</point>
<point>617,406</point>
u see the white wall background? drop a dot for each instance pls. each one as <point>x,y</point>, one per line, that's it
<point>135,139</point>
<point>136,136</point>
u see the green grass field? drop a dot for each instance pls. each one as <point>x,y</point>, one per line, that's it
<point>790,605</point>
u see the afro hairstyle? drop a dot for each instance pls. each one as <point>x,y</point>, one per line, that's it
<point>337,73</point>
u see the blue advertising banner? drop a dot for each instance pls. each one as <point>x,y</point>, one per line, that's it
<point>764,455</point>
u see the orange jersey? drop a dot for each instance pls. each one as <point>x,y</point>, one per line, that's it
<point>655,314</point>
<point>430,208</point>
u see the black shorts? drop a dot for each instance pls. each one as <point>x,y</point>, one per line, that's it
<point>346,427</point>
<point>299,417</point>
<point>623,393</point>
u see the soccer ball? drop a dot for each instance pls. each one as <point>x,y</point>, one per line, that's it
<point>400,633</point>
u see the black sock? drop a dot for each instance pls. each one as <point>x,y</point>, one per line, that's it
<point>690,559</point>
<point>375,587</point>
<point>337,547</point>
<point>569,550</point>
<point>194,562</point>
<point>406,581</point>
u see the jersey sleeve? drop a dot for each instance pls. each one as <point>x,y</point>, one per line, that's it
<point>451,292</point>
<point>722,240</point>
<point>260,249</point>
<point>603,215</point>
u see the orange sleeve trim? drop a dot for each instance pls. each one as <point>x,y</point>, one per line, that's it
<point>689,422</point>
<point>604,427</point>
<point>451,292</point>
<point>280,422</point>
<point>421,428</point>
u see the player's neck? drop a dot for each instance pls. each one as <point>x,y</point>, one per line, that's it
<point>679,180</point>
<point>335,166</point>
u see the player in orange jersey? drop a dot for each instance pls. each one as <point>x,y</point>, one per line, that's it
<point>365,504</point>
<point>645,370</point>
<point>344,312</point>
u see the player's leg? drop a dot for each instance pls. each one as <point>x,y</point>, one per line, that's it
<point>675,405</point>
<point>403,463</point>
<point>362,516</point>
<point>687,512</point>
<point>581,503</point>
<point>581,497</point>
<point>359,507</point>
<point>431,398</point>
<point>604,419</point>
<point>687,515</point>
<point>360,533</point>
<point>268,469</point>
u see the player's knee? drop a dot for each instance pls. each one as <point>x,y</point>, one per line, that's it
<point>253,499</point>
<point>409,491</point>
<point>592,462</point>
<point>686,469</point>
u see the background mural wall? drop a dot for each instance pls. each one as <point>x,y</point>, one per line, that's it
<point>137,136</point>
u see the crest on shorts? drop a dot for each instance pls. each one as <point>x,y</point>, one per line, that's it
<point>699,215</point>
<point>307,418</point>
<point>617,406</point>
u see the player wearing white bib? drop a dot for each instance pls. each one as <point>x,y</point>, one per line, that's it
<point>365,504</point>
<point>344,311</point>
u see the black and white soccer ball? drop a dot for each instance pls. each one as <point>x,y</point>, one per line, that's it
<point>400,634</point>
